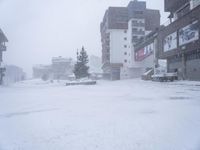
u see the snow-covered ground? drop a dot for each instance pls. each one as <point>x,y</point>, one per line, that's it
<point>122,115</point>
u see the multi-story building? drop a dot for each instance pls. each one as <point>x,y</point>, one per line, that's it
<point>179,42</point>
<point>114,40</point>
<point>42,70</point>
<point>13,74</point>
<point>121,28</point>
<point>142,22</point>
<point>146,53</point>
<point>3,40</point>
<point>62,67</point>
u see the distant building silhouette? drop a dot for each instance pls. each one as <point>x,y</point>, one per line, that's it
<point>61,68</point>
<point>13,74</point>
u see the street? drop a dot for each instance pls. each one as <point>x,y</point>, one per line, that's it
<point>122,115</point>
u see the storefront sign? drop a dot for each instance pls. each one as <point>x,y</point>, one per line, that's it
<point>189,33</point>
<point>144,52</point>
<point>170,42</point>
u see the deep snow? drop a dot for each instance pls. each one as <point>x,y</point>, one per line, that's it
<point>122,115</point>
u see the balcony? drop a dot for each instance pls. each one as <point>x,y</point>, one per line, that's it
<point>135,24</point>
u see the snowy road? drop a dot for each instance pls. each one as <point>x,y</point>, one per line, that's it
<point>122,115</point>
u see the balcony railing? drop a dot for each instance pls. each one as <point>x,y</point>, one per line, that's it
<point>138,32</point>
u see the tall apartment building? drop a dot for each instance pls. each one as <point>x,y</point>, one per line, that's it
<point>3,40</point>
<point>179,42</point>
<point>121,28</point>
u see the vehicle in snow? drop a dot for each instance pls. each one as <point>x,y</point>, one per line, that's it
<point>165,77</point>
<point>161,75</point>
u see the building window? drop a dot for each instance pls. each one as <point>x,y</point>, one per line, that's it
<point>125,38</point>
<point>125,61</point>
<point>138,12</point>
<point>141,30</point>
<point>125,31</point>
<point>125,53</point>
<point>134,22</point>
<point>125,46</point>
<point>134,29</point>
<point>134,39</point>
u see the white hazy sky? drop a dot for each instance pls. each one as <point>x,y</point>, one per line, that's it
<point>40,29</point>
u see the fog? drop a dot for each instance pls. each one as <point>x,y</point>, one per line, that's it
<point>38,30</point>
<point>152,102</point>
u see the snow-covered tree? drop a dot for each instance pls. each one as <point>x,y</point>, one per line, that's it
<point>81,68</point>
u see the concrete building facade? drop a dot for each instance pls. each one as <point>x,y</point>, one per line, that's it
<point>121,28</point>
<point>3,40</point>
<point>42,70</point>
<point>13,74</point>
<point>146,53</point>
<point>113,31</point>
<point>62,67</point>
<point>179,42</point>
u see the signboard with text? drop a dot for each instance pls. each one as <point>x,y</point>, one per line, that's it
<point>144,52</point>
